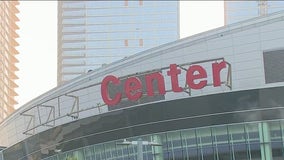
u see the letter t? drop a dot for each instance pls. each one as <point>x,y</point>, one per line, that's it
<point>173,73</point>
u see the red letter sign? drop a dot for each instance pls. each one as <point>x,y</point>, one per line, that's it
<point>216,68</point>
<point>149,83</point>
<point>173,73</point>
<point>105,93</point>
<point>190,77</point>
<point>196,78</point>
<point>133,88</point>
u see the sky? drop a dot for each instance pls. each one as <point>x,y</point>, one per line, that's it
<point>38,40</point>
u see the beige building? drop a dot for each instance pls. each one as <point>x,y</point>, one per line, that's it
<point>8,52</point>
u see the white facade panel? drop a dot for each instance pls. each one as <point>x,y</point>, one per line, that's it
<point>222,42</point>
<point>243,84</point>
<point>270,27</point>
<point>271,44</point>
<point>244,65</point>
<point>247,56</point>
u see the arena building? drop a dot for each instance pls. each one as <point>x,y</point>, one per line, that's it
<point>215,95</point>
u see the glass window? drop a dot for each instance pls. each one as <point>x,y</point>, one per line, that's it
<point>79,45</point>
<point>73,36</point>
<point>73,4</point>
<point>89,153</point>
<point>72,52</point>
<point>73,13</point>
<point>73,70</point>
<point>275,6</point>
<point>74,21</point>
<point>239,10</point>
<point>273,66</point>
<point>73,29</point>
<point>252,138</point>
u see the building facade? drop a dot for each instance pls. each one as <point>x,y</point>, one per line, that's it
<point>8,60</point>
<point>92,34</point>
<point>215,95</point>
<point>236,11</point>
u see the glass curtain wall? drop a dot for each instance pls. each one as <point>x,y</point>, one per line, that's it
<point>250,141</point>
<point>236,11</point>
<point>92,34</point>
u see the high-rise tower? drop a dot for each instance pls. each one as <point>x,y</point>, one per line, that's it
<point>92,34</point>
<point>236,11</point>
<point>8,35</point>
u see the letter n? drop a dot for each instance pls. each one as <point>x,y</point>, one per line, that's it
<point>149,83</point>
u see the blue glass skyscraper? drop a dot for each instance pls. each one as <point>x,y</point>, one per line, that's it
<point>94,33</point>
<point>236,11</point>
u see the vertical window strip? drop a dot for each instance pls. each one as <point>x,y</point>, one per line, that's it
<point>140,2</point>
<point>141,42</point>
<point>126,43</point>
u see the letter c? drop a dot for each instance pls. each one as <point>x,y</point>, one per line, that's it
<point>104,90</point>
